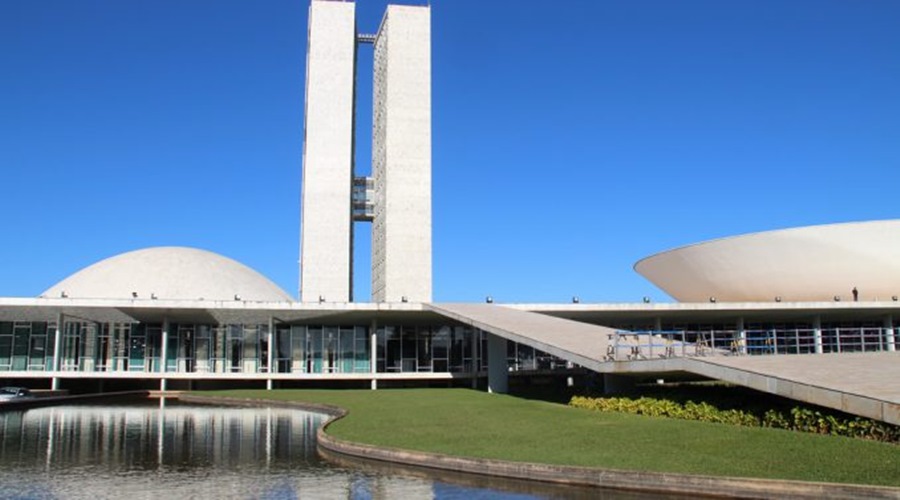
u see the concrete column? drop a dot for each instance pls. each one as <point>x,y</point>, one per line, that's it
<point>498,370</point>
<point>57,346</point>
<point>164,348</point>
<point>476,346</point>
<point>741,347</point>
<point>657,324</point>
<point>817,334</point>
<point>890,333</point>
<point>373,354</point>
<point>271,352</point>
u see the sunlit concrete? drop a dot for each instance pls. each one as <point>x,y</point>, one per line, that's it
<point>814,263</point>
<point>857,383</point>
<point>401,156</point>
<point>860,384</point>
<point>326,229</point>
<point>168,273</point>
<point>580,343</point>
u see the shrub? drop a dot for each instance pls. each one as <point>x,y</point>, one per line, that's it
<point>798,418</point>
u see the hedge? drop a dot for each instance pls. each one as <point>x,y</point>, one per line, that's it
<point>796,419</point>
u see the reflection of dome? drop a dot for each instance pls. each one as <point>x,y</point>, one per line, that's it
<point>168,273</point>
<point>802,264</point>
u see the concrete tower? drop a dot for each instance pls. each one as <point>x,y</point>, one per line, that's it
<point>401,157</point>
<point>397,198</point>
<point>326,235</point>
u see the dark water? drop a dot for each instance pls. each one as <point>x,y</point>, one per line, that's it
<point>177,451</point>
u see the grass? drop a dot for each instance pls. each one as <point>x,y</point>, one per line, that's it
<point>476,424</point>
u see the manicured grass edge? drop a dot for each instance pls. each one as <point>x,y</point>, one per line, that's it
<point>628,480</point>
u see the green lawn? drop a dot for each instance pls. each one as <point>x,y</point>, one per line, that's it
<point>476,424</point>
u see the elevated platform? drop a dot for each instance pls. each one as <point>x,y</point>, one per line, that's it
<point>857,383</point>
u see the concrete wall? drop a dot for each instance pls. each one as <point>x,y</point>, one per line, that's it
<point>804,264</point>
<point>326,226</point>
<point>401,157</point>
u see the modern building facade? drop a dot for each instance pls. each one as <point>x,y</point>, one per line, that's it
<point>397,198</point>
<point>401,235</point>
<point>174,317</point>
<point>326,235</point>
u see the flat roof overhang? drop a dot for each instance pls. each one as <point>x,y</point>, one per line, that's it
<point>714,312</point>
<point>144,310</point>
<point>211,312</point>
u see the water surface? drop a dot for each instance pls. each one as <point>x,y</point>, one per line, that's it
<point>181,451</point>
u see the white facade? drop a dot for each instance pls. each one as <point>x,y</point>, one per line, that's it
<point>326,220</point>
<point>814,263</point>
<point>401,156</point>
<point>168,273</point>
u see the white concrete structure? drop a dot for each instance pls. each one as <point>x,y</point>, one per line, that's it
<point>326,236</point>
<point>181,318</point>
<point>168,273</point>
<point>401,156</point>
<point>400,197</point>
<point>814,263</point>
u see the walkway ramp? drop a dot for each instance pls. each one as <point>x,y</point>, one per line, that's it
<point>581,343</point>
<point>863,384</point>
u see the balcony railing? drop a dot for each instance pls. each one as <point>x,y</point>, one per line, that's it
<point>625,345</point>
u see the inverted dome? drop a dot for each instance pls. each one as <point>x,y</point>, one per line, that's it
<point>168,273</point>
<point>813,263</point>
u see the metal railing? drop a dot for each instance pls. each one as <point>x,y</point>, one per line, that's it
<point>625,345</point>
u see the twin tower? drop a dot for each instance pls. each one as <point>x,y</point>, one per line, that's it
<point>396,199</point>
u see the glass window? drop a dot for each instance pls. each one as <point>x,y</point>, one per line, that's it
<point>424,349</point>
<point>392,349</point>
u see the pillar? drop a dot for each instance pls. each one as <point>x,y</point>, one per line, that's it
<point>655,335</point>
<point>741,347</point>
<point>498,369</point>
<point>271,352</point>
<point>57,346</point>
<point>476,347</point>
<point>164,348</point>
<point>890,333</point>
<point>817,334</point>
<point>373,354</point>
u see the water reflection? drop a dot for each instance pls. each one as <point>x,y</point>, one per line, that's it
<point>149,451</point>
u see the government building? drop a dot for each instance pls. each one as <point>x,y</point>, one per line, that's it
<point>182,318</point>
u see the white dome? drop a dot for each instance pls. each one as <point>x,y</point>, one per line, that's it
<point>168,273</point>
<point>813,263</point>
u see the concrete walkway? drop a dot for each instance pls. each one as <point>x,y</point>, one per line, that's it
<point>865,384</point>
<point>581,343</point>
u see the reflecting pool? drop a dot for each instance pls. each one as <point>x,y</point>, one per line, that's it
<point>179,451</point>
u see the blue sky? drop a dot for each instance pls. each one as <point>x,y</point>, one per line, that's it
<point>571,138</point>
